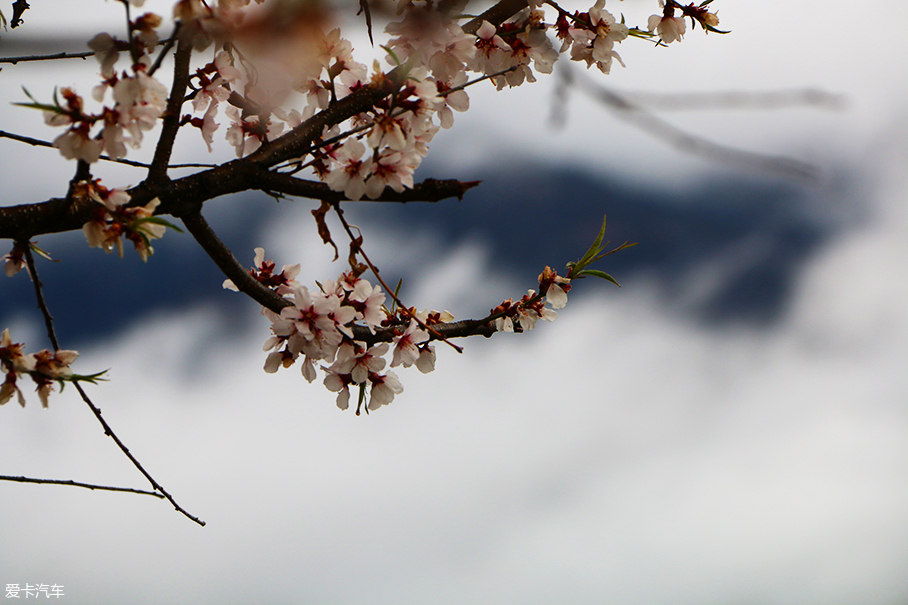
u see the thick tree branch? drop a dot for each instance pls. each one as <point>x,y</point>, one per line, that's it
<point>171,117</point>
<point>429,190</point>
<point>229,265</point>
<point>186,195</point>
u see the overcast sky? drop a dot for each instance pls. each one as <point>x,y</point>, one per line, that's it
<point>632,452</point>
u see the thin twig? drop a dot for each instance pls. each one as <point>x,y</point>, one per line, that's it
<point>78,55</point>
<point>90,486</point>
<point>49,323</point>
<point>39,143</point>
<point>167,45</point>
<point>39,293</point>
<point>109,432</point>
<point>390,291</point>
<point>25,139</point>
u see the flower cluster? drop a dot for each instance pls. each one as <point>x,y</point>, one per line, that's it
<point>283,283</point>
<point>432,58</point>
<point>43,367</point>
<point>318,329</point>
<point>591,36</point>
<point>383,145</point>
<point>112,220</point>
<point>138,99</point>
<point>431,54</point>
<point>338,326</point>
<point>362,149</point>
<point>522,315</point>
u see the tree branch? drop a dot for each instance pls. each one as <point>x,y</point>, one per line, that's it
<point>297,142</point>
<point>90,486</point>
<point>49,322</point>
<point>229,265</point>
<point>429,190</point>
<point>171,117</point>
<point>245,283</point>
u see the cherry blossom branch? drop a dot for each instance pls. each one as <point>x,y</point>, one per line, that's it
<point>186,194</point>
<point>297,142</point>
<point>49,323</point>
<point>199,228</point>
<point>241,102</point>
<point>90,486</point>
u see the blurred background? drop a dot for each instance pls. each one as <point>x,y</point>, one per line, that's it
<point>729,427</point>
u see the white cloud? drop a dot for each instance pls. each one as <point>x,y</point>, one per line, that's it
<point>620,454</point>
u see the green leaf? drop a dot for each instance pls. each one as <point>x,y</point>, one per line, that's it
<point>597,273</point>
<point>593,250</point>
<point>392,54</point>
<point>92,378</point>
<point>42,253</point>
<point>41,106</point>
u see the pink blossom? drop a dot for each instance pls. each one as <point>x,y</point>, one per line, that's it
<point>263,271</point>
<point>457,50</point>
<point>668,27</point>
<point>140,102</point>
<point>15,260</point>
<point>309,326</point>
<point>491,51</point>
<point>339,383</point>
<point>246,135</point>
<point>350,174</point>
<point>358,362</point>
<point>426,361</point>
<point>109,198</point>
<point>392,169</point>
<point>15,364</point>
<point>75,144</point>
<point>458,100</point>
<point>384,388</point>
<point>405,345</point>
<point>556,295</point>
<point>106,53</point>
<point>368,301</point>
